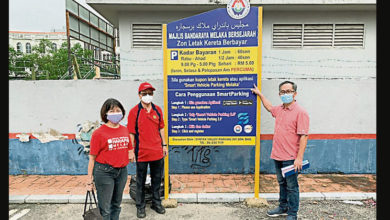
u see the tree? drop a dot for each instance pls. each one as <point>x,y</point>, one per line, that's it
<point>44,61</point>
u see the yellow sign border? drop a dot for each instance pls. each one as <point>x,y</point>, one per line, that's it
<point>212,140</point>
<point>257,150</point>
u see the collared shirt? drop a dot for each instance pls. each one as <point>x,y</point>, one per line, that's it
<point>290,124</point>
<point>149,125</point>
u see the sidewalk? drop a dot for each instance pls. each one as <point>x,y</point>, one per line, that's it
<point>197,187</point>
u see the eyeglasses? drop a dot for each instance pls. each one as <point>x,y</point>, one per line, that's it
<point>146,93</point>
<point>282,92</point>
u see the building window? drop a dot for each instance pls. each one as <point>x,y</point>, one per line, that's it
<point>19,47</point>
<point>117,38</point>
<point>54,47</point>
<point>317,35</point>
<point>97,53</point>
<point>349,35</point>
<point>146,35</point>
<point>28,48</point>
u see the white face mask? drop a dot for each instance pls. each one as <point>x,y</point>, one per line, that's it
<point>147,99</point>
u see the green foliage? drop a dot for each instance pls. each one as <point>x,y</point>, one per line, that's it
<point>46,62</point>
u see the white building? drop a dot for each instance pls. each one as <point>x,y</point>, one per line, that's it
<point>23,41</point>
<point>324,55</point>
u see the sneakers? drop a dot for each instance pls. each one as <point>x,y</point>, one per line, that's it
<point>141,213</point>
<point>277,212</point>
<point>158,208</point>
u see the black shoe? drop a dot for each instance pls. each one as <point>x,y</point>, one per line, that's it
<point>278,211</point>
<point>141,213</point>
<point>158,208</point>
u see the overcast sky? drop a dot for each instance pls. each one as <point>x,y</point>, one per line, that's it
<point>39,15</point>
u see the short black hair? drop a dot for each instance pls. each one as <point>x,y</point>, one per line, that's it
<point>295,87</point>
<point>108,105</point>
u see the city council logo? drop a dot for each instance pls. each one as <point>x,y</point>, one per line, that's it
<point>238,9</point>
<point>237,129</point>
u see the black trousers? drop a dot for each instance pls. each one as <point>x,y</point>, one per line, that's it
<point>156,173</point>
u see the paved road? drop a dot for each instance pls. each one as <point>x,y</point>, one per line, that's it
<point>364,209</point>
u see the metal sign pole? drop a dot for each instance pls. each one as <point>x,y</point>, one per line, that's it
<point>68,39</point>
<point>257,151</point>
<point>168,203</point>
<point>257,201</point>
<point>166,165</point>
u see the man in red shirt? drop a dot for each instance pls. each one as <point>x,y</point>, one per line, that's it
<point>146,128</point>
<point>288,146</point>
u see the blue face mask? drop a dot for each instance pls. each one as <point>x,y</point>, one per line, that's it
<point>287,98</point>
<point>114,117</point>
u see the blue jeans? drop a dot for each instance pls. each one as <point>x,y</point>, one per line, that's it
<point>288,188</point>
<point>110,183</point>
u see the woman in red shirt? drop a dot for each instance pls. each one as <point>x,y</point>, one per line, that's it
<point>110,153</point>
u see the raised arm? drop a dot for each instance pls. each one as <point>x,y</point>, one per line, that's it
<point>266,103</point>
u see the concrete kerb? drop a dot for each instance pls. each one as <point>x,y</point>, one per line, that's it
<point>77,198</point>
<point>17,198</point>
<point>198,197</point>
<point>48,199</point>
<point>349,195</point>
<point>218,197</point>
<point>311,196</point>
<point>185,197</point>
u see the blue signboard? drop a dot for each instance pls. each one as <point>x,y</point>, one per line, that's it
<point>211,61</point>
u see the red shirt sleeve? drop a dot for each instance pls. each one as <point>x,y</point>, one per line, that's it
<point>95,144</point>
<point>303,123</point>
<point>274,110</point>
<point>131,120</point>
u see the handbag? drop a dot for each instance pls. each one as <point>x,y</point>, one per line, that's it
<point>92,213</point>
<point>148,188</point>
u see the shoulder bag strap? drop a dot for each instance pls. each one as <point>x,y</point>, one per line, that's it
<point>94,198</point>
<point>86,201</point>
